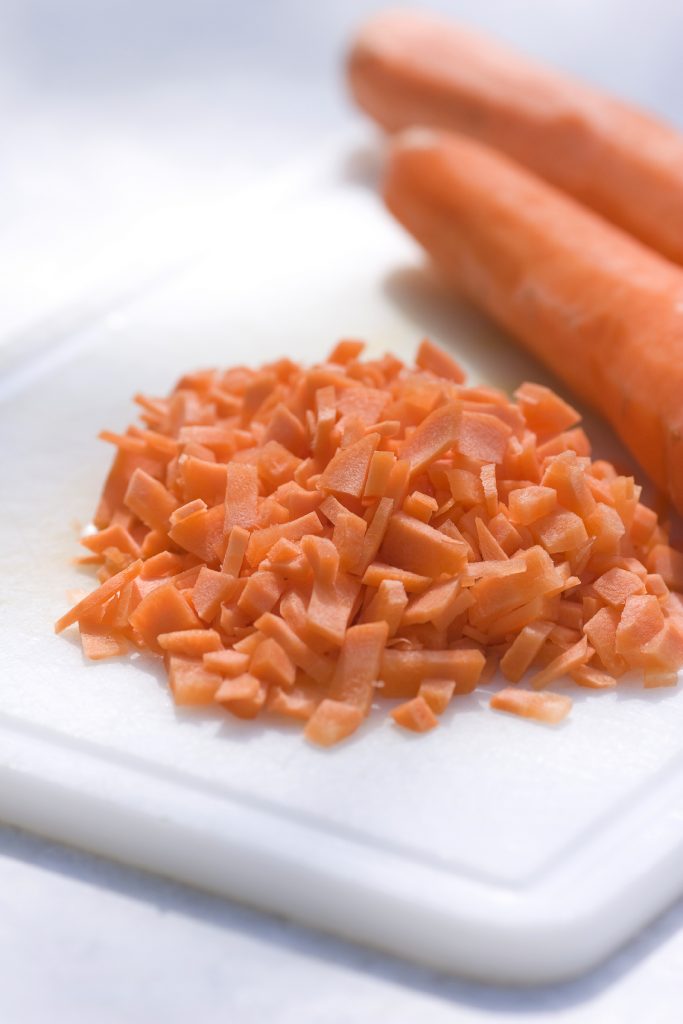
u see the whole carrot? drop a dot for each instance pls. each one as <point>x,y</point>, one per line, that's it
<point>601,310</point>
<point>408,68</point>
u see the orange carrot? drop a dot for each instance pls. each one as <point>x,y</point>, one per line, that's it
<point>478,215</point>
<point>331,722</point>
<point>415,715</point>
<point>409,68</point>
<point>550,708</point>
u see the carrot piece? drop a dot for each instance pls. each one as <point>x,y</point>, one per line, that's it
<point>114,536</point>
<point>411,68</point>
<point>420,506</point>
<point>163,610</point>
<point>242,687</point>
<point>241,496</point>
<point>606,528</point>
<point>261,541</point>
<point>209,592</point>
<point>363,403</point>
<point>200,533</point>
<point>641,620</point>
<point>378,573</point>
<point>592,678</point>
<point>482,437</point>
<point>478,214</point>
<point>528,504</point>
<point>466,487</point>
<point>431,357</point>
<point>523,649</point>
<point>288,430</point>
<point>345,351</point>
<point>437,604</point>
<point>544,411</point>
<point>358,666</point>
<point>314,665</point>
<point>387,605</point>
<point>348,535</point>
<point>191,642</point>
<point>272,664</point>
<point>149,500</point>
<point>438,432</point>
<point>276,465</point>
<point>403,671</point>
<point>226,663</point>
<point>437,693</point>
<point>504,533</point>
<point>191,684</point>
<point>238,540</point>
<point>490,487</point>
<point>415,715</point>
<point>101,641</point>
<point>616,585</point>
<point>99,597</point>
<point>299,702</point>
<point>323,558</point>
<point>567,476</point>
<point>560,531</point>
<point>668,563</point>
<point>665,650</point>
<point>601,630</point>
<point>203,479</point>
<point>348,469</point>
<point>374,534</point>
<point>578,654</point>
<point>381,465</point>
<point>331,722</point>
<point>413,545</point>
<point>331,606</point>
<point>550,708</point>
<point>493,568</point>
<point>260,594</point>
<point>643,525</point>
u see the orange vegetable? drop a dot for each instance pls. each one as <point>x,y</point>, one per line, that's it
<point>408,68</point>
<point>550,708</point>
<point>305,559</point>
<point>592,303</point>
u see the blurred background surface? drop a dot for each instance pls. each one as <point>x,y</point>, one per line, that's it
<point>127,124</point>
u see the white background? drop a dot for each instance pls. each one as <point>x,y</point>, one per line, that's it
<point>126,125</point>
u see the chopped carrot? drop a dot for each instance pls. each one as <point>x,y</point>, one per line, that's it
<point>415,715</point>
<point>306,542</point>
<point>191,642</point>
<point>544,707</point>
<point>331,722</point>
<point>437,693</point>
<point>431,357</point>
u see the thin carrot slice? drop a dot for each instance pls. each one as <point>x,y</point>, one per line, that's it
<point>436,434</point>
<point>99,597</point>
<point>191,642</point>
<point>163,610</point>
<point>235,551</point>
<point>347,472</point>
<point>415,715</point>
<point>616,585</point>
<point>331,722</point>
<point>149,500</point>
<point>578,654</point>
<point>209,592</point>
<point>523,649</point>
<point>550,708</point>
<point>388,605</point>
<point>413,545</point>
<point>101,641</point>
<point>272,664</point>
<point>226,663</point>
<point>403,671</point>
<point>431,357</point>
<point>437,693</point>
<point>192,685</point>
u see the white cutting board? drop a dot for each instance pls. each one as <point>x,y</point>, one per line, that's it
<point>492,846</point>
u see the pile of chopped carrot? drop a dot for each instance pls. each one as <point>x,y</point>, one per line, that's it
<point>306,541</point>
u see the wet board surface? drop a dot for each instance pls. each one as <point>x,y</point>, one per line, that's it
<point>492,847</point>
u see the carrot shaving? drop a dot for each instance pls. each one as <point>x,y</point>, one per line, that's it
<point>309,541</point>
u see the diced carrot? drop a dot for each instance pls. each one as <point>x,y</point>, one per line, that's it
<point>200,533</point>
<point>260,595</point>
<point>403,671</point>
<point>149,500</point>
<point>115,536</point>
<point>437,693</point>
<point>200,478</point>
<point>241,496</point>
<point>560,531</point>
<point>377,572</point>
<point>592,678</point>
<point>242,687</point>
<point>331,722</point>
<point>550,708</point>
<point>346,350</point>
<point>413,545</point>
<point>431,357</point>
<point>348,469</point>
<point>643,525</point>
<point>163,610</point>
<point>288,430</point>
<point>272,664</point>
<point>665,650</point>
<point>348,535</point>
<point>544,411</point>
<point>415,715</point>
<point>567,476</point>
<point>466,487</point>
<point>359,663</point>
<point>438,604</point>
<point>435,435</point>
<point>387,605</point>
<point>420,506</point>
<point>101,641</point>
<point>191,642</point>
<point>98,597</point>
<point>331,606</point>
<point>261,541</point>
<point>528,504</point>
<point>668,563</point>
<point>641,620</point>
<point>523,649</point>
<point>578,654</point>
<point>235,551</point>
<point>482,437</point>
<point>616,585</point>
<point>314,665</point>
<point>298,703</point>
<point>605,526</point>
<point>226,663</point>
<point>192,685</point>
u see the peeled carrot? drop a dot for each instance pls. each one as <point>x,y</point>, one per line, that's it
<point>409,68</point>
<point>404,562</point>
<point>597,307</point>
